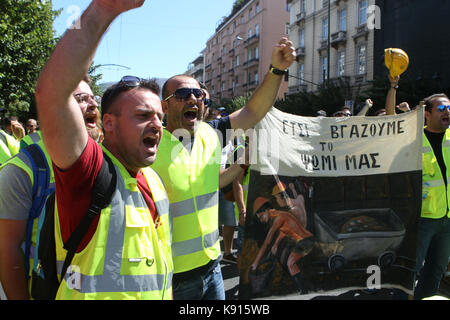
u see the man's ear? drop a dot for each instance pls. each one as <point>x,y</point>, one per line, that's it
<point>165,106</point>
<point>108,122</point>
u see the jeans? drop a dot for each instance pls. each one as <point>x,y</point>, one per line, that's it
<point>433,251</point>
<point>208,286</point>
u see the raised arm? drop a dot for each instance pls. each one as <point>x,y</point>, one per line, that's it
<point>264,97</point>
<point>391,95</point>
<point>63,127</point>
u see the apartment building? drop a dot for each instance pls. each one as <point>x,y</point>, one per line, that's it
<point>196,68</point>
<point>238,54</point>
<point>333,39</point>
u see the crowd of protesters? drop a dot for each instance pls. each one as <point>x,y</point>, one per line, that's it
<point>167,206</point>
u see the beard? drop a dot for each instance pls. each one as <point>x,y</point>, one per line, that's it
<point>95,133</point>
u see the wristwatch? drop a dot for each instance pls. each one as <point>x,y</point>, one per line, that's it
<point>276,71</point>
<point>394,87</point>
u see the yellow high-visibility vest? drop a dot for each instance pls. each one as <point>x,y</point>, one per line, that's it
<point>22,161</point>
<point>192,183</point>
<point>31,138</point>
<point>128,257</point>
<point>435,197</point>
<point>9,146</point>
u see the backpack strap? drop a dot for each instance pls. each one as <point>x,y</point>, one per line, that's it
<point>41,190</point>
<point>102,192</point>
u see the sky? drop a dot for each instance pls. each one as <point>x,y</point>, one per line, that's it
<point>157,40</point>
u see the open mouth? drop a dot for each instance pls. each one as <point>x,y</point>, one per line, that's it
<point>151,140</point>
<point>90,120</point>
<point>190,115</point>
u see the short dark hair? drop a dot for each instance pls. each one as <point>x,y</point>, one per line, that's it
<point>111,94</point>
<point>429,100</point>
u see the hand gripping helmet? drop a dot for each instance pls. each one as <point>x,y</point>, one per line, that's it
<point>396,60</point>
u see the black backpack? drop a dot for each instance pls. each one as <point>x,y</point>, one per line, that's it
<point>45,284</point>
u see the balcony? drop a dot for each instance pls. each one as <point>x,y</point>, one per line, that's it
<point>338,38</point>
<point>252,62</point>
<point>361,31</point>
<point>300,18</point>
<point>360,79</point>
<point>252,84</point>
<point>253,39</point>
<point>300,51</point>
<point>323,45</point>
<point>339,1</point>
<point>340,81</point>
<point>231,52</point>
<point>297,88</point>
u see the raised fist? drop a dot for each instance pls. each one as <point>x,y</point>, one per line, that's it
<point>283,54</point>
<point>119,6</point>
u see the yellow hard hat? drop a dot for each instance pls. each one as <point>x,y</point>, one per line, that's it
<point>396,60</point>
<point>278,188</point>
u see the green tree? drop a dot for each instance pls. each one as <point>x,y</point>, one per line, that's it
<point>95,78</point>
<point>329,98</point>
<point>27,39</point>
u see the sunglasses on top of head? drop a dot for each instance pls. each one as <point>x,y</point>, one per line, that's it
<point>442,107</point>
<point>184,94</point>
<point>125,82</point>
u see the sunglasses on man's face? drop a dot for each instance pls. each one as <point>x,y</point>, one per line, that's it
<point>442,108</point>
<point>184,94</point>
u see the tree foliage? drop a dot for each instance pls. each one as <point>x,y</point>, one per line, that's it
<point>95,78</point>
<point>328,97</point>
<point>26,41</point>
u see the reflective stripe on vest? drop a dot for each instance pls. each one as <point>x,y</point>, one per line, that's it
<point>5,153</point>
<point>187,206</point>
<point>192,183</point>
<point>22,161</point>
<point>125,229</point>
<point>34,137</point>
<point>435,195</point>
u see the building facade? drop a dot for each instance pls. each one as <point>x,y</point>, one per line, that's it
<point>239,53</point>
<point>420,28</point>
<point>332,42</point>
<point>196,68</point>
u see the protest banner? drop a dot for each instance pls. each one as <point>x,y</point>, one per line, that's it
<point>333,204</point>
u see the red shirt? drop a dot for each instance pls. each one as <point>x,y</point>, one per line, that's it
<point>74,187</point>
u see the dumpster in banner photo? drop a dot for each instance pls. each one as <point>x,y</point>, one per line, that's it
<point>374,234</point>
